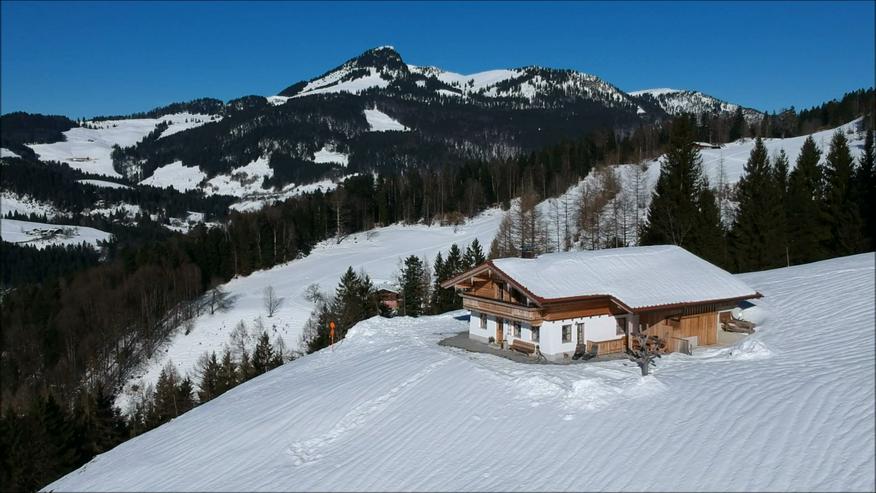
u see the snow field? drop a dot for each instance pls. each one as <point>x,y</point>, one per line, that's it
<point>40,235</point>
<point>13,203</point>
<point>788,408</point>
<point>381,122</point>
<point>176,175</point>
<point>90,150</point>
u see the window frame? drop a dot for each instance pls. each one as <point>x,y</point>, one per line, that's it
<point>563,334</point>
<point>621,328</point>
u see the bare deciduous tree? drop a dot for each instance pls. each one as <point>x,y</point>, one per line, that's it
<point>271,301</point>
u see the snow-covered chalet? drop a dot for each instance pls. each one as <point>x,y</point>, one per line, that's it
<point>563,303</point>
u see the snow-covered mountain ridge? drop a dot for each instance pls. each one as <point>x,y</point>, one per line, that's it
<point>678,101</point>
<point>390,409</point>
<point>379,68</point>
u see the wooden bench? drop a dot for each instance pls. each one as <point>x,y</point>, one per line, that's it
<point>523,346</point>
<point>736,325</point>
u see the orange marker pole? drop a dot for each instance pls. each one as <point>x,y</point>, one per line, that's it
<point>332,333</point>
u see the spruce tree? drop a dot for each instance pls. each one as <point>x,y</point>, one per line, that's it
<point>673,213</point>
<point>227,375</point>
<point>841,210</point>
<point>439,295</point>
<point>806,224</point>
<point>455,263</point>
<point>865,180</point>
<point>209,368</point>
<point>474,255</point>
<point>709,238</point>
<point>757,242</point>
<point>414,293</point>
<point>263,356</point>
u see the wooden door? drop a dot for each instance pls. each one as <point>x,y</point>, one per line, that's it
<point>500,331</point>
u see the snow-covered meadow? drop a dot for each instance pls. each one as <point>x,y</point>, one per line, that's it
<point>90,149</point>
<point>41,235</point>
<point>789,408</point>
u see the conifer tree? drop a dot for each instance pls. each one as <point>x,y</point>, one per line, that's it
<point>208,367</point>
<point>263,357</point>
<point>841,210</point>
<point>673,213</point>
<point>226,377</point>
<point>439,296</point>
<point>806,225</point>
<point>866,184</point>
<point>474,255</point>
<point>454,263</point>
<point>414,293</point>
<point>756,239</point>
<point>709,238</point>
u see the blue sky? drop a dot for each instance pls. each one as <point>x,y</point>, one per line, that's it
<point>82,59</point>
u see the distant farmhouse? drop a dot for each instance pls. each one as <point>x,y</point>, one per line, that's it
<point>566,303</point>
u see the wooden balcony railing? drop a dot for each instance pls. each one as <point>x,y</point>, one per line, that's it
<point>510,311</point>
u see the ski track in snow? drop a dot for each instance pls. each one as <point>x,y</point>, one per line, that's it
<point>788,408</point>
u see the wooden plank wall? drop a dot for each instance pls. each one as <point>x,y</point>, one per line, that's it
<point>612,346</point>
<point>703,325</point>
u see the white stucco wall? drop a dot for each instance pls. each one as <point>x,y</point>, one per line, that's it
<point>600,328</point>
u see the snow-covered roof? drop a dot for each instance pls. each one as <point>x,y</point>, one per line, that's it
<point>638,277</point>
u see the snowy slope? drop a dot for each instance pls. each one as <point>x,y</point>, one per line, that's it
<point>328,154</point>
<point>381,122</point>
<point>41,235</point>
<point>103,183</point>
<point>378,252</point>
<point>11,202</point>
<point>176,175</point>
<point>90,150</point>
<point>735,154</point>
<point>677,102</point>
<point>788,408</point>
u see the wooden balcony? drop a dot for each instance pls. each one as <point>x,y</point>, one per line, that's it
<point>531,315</point>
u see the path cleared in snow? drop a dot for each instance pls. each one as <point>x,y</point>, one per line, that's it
<point>788,408</point>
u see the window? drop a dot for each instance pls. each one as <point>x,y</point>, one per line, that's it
<point>621,326</point>
<point>483,321</point>
<point>517,332</point>
<point>567,333</point>
<point>579,328</point>
<point>535,334</point>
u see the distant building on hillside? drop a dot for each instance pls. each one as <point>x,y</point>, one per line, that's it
<point>567,303</point>
<point>388,297</point>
